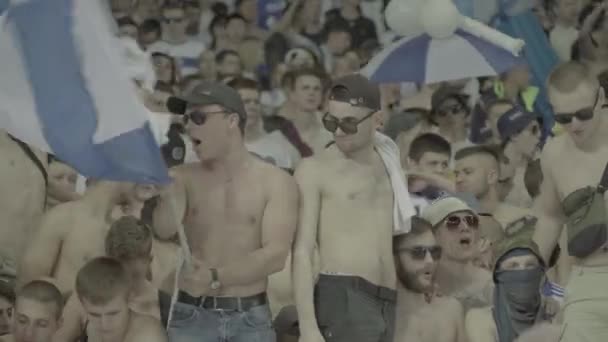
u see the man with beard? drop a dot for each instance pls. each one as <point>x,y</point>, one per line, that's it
<point>420,308</point>
<point>456,227</point>
<point>477,172</point>
<point>517,300</point>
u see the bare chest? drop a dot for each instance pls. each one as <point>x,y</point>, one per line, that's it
<point>358,187</point>
<point>578,170</point>
<point>84,242</point>
<point>422,326</point>
<point>225,214</point>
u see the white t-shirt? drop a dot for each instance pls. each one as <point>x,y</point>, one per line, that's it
<point>272,147</point>
<point>562,38</point>
<point>186,54</point>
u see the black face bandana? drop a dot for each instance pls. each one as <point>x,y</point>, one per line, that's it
<point>516,301</point>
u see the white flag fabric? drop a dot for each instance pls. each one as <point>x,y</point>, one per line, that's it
<point>64,90</point>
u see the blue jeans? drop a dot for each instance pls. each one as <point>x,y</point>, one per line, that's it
<point>195,324</point>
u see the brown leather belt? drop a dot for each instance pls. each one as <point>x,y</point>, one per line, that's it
<point>223,303</point>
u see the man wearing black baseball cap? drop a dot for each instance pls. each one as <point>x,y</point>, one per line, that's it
<point>239,222</point>
<point>347,209</point>
<point>450,110</point>
<point>520,133</point>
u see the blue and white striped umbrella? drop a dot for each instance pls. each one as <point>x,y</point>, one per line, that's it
<point>424,60</point>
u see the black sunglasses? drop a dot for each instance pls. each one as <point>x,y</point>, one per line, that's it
<point>348,125</point>
<point>584,114</point>
<point>453,222</point>
<point>419,252</point>
<point>199,118</point>
<point>454,110</point>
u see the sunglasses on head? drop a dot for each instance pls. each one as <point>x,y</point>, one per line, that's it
<point>199,118</point>
<point>348,125</point>
<point>454,109</point>
<point>419,252</point>
<point>453,222</point>
<point>584,114</point>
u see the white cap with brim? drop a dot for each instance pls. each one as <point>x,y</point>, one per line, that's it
<point>442,208</point>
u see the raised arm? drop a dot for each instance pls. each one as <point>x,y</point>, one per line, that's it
<point>42,252</point>
<point>278,227</point>
<point>550,219</point>
<point>303,255</point>
<point>171,207</point>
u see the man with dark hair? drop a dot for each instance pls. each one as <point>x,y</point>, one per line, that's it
<point>239,215</point>
<point>430,153</point>
<point>175,41</point>
<point>520,133</point>
<point>149,32</point>
<point>420,306</point>
<point>451,112</point>
<point>573,194</point>
<point>337,40</point>
<point>361,28</point>
<point>38,310</point>
<point>299,118</point>
<point>103,287</point>
<point>271,147</point>
<point>477,172</point>
<point>228,64</point>
<point>350,222</point>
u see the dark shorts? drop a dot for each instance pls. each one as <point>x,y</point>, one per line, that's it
<point>351,309</point>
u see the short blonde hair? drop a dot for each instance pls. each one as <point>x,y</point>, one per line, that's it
<point>101,280</point>
<point>567,76</point>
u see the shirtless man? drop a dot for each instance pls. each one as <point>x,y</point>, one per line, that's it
<point>103,287</point>
<point>456,228</point>
<point>477,172</point>
<point>37,313</point>
<point>571,162</point>
<point>130,242</point>
<point>420,309</point>
<point>73,233</point>
<point>22,198</point>
<point>304,90</point>
<point>516,307</point>
<point>239,214</point>
<point>347,210</point>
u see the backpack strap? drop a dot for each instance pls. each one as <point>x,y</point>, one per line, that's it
<point>28,151</point>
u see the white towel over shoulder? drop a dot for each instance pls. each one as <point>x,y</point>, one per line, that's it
<point>403,208</point>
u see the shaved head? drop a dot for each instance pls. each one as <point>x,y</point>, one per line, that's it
<point>569,76</point>
<point>485,154</point>
<point>477,170</point>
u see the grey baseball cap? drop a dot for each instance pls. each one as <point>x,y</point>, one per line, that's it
<point>216,93</point>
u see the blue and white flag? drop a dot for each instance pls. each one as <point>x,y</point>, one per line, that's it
<point>553,290</point>
<point>65,90</point>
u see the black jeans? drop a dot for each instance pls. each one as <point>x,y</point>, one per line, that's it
<point>351,309</point>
